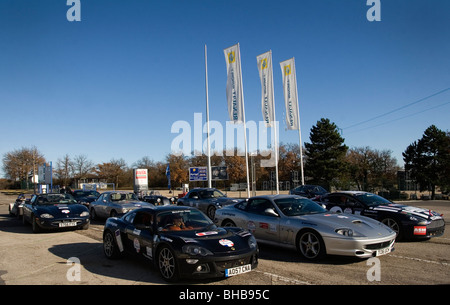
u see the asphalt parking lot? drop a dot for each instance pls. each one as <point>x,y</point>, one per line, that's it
<point>76,257</point>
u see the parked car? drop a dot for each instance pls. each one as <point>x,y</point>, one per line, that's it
<point>114,203</point>
<point>155,198</point>
<point>55,211</point>
<point>309,191</point>
<point>300,223</point>
<point>85,197</point>
<point>181,242</point>
<point>16,208</point>
<point>407,221</point>
<point>207,200</point>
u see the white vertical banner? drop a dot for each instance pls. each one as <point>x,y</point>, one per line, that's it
<point>290,94</point>
<point>291,102</point>
<point>265,69</point>
<point>235,97</point>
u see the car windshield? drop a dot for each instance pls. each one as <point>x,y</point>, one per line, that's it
<point>372,199</point>
<point>51,199</point>
<point>86,194</point>
<point>211,194</point>
<point>183,220</point>
<point>123,197</point>
<point>298,206</point>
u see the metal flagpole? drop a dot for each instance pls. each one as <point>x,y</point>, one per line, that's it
<point>245,129</point>
<point>275,138</point>
<point>207,119</point>
<point>299,129</point>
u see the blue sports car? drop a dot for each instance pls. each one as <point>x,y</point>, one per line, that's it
<point>55,211</point>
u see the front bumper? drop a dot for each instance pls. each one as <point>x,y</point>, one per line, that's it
<point>62,223</point>
<point>214,266</point>
<point>360,247</point>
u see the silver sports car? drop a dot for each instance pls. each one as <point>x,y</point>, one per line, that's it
<point>302,224</point>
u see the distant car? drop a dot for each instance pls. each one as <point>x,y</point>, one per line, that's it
<point>15,208</point>
<point>115,203</point>
<point>157,200</point>
<point>85,197</point>
<point>408,221</point>
<point>181,242</point>
<point>55,211</point>
<point>207,200</point>
<point>309,191</point>
<point>300,223</point>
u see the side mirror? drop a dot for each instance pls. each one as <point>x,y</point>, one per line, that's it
<point>271,212</point>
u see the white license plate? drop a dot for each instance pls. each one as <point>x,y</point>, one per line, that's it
<point>383,251</point>
<point>238,270</point>
<point>67,224</point>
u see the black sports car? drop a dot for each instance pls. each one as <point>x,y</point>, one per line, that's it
<point>408,221</point>
<point>181,242</point>
<point>54,211</point>
<point>85,197</point>
<point>309,191</point>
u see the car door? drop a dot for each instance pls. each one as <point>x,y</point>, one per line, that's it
<point>266,225</point>
<point>139,233</point>
<point>192,199</point>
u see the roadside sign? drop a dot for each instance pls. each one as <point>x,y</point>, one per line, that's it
<point>198,173</point>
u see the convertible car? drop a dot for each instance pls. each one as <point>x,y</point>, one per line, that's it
<point>300,223</point>
<point>181,242</point>
<point>407,221</point>
<point>55,211</point>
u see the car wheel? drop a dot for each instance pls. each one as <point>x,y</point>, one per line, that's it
<point>34,225</point>
<point>110,247</point>
<point>228,223</point>
<point>167,264</point>
<point>311,245</point>
<point>211,212</point>
<point>394,225</point>
<point>92,214</point>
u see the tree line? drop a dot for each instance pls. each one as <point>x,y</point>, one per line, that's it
<point>327,162</point>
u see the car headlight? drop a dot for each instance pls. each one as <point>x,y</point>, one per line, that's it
<point>196,250</point>
<point>84,214</point>
<point>252,242</point>
<point>46,215</point>
<point>345,232</point>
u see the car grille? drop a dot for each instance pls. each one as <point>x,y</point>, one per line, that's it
<point>378,246</point>
<point>233,263</point>
<point>436,224</point>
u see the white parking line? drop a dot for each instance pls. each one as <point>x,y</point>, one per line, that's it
<point>276,277</point>
<point>420,260</point>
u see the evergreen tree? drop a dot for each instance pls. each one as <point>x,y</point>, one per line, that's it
<point>325,154</point>
<point>428,159</point>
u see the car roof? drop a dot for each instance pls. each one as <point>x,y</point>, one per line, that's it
<point>351,192</point>
<point>277,196</point>
<point>164,208</point>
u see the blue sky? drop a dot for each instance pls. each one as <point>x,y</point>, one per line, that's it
<point>112,85</point>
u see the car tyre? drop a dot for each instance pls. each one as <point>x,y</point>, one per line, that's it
<point>167,264</point>
<point>92,214</point>
<point>110,248</point>
<point>35,227</point>
<point>394,225</point>
<point>228,223</point>
<point>211,212</point>
<point>311,245</point>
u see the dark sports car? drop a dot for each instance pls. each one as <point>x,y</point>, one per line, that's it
<point>181,242</point>
<point>85,197</point>
<point>55,211</point>
<point>309,191</point>
<point>408,221</point>
<point>207,200</point>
